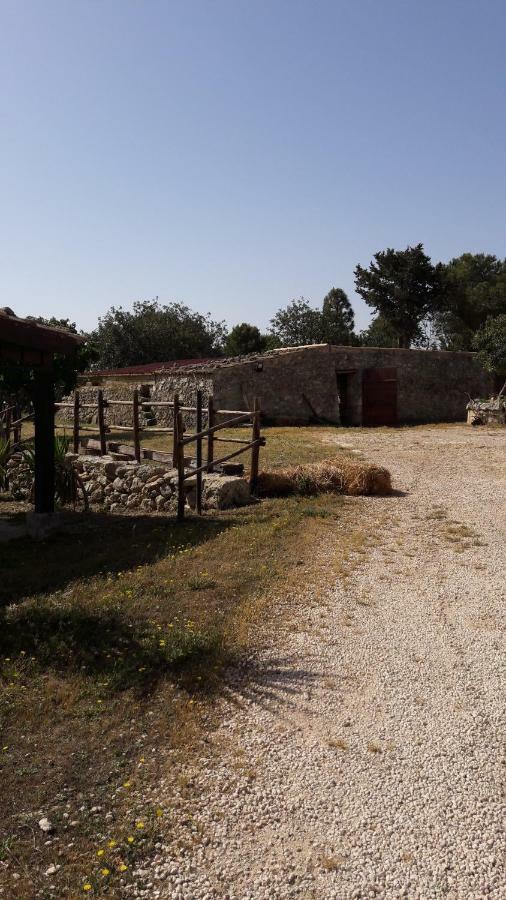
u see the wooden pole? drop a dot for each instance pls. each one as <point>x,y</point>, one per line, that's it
<point>101,422</point>
<point>210,436</point>
<point>43,403</point>
<point>135,412</point>
<point>198,503</point>
<point>255,450</point>
<point>17,427</point>
<point>76,423</point>
<point>181,497</point>
<point>175,439</point>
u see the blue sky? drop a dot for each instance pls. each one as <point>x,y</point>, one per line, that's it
<point>235,154</point>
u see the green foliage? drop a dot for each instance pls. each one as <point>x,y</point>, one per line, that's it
<point>402,286</point>
<point>379,334</point>
<point>153,332</point>
<point>299,323</point>
<point>338,317</point>
<point>490,342</point>
<point>244,339</point>
<point>68,483</point>
<point>473,289</point>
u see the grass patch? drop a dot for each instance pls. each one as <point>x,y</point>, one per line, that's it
<point>114,637</point>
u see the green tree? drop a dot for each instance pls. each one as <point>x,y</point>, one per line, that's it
<point>379,334</point>
<point>153,332</point>
<point>297,324</point>
<point>490,342</point>
<point>244,339</point>
<point>338,317</point>
<point>473,290</point>
<point>403,287</point>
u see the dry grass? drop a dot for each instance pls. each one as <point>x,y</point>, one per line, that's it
<point>337,475</point>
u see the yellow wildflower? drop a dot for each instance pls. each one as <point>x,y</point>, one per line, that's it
<point>100,852</point>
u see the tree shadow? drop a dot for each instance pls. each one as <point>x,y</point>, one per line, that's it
<point>96,543</point>
<point>269,683</point>
<point>102,644</point>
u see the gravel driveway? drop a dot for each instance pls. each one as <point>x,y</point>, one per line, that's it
<point>366,756</point>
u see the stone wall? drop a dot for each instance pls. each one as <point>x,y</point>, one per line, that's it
<point>294,386</point>
<point>186,386</point>
<point>113,415</point>
<point>114,485</point>
<point>432,385</point>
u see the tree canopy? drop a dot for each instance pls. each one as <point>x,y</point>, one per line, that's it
<point>473,289</point>
<point>379,334</point>
<point>402,286</point>
<point>244,339</point>
<point>299,323</point>
<point>490,342</point>
<point>153,332</point>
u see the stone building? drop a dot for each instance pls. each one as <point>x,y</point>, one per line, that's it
<point>317,383</point>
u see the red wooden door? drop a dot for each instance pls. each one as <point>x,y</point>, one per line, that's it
<point>379,397</point>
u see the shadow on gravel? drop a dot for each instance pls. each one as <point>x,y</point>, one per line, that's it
<point>274,683</point>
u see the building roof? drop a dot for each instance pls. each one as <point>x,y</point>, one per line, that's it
<point>209,362</point>
<point>27,334</point>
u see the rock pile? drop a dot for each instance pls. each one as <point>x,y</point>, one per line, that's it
<point>116,484</point>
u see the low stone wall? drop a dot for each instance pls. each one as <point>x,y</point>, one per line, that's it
<point>113,485</point>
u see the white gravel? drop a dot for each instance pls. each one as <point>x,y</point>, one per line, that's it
<point>362,754</point>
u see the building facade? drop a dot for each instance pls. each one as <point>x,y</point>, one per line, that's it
<point>318,383</point>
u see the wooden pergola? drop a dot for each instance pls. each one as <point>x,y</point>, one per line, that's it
<point>24,342</point>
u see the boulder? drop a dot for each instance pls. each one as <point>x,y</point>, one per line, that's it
<point>220,492</point>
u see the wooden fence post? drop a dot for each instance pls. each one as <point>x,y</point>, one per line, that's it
<point>135,413</point>
<point>181,498</point>
<point>175,432</point>
<point>76,423</point>
<point>255,450</point>
<point>17,426</point>
<point>210,437</point>
<point>101,422</point>
<point>198,503</point>
<point>8,420</point>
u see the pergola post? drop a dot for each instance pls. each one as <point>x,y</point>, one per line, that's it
<point>43,403</point>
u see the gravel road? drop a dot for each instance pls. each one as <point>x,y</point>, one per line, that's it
<point>364,754</point>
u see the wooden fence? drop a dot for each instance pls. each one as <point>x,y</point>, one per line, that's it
<point>217,420</point>
<point>10,423</point>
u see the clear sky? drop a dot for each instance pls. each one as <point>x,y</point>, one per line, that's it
<point>236,154</point>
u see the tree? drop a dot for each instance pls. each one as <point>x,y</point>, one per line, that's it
<point>402,286</point>
<point>244,339</point>
<point>490,342</point>
<point>473,290</point>
<point>297,324</point>
<point>153,332</point>
<point>379,334</point>
<point>338,317</point>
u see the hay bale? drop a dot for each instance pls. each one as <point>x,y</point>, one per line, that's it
<point>338,475</point>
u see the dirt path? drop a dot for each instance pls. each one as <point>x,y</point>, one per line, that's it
<point>365,757</point>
